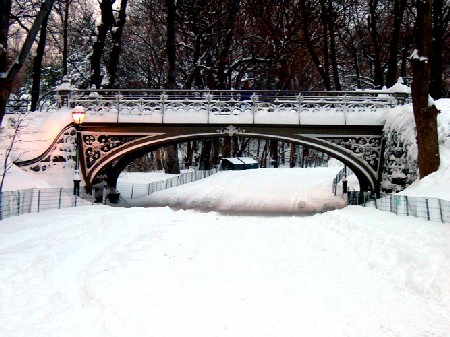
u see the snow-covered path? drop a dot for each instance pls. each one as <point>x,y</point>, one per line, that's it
<point>261,191</point>
<point>101,271</point>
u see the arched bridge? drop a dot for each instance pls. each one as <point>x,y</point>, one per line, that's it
<point>122,125</point>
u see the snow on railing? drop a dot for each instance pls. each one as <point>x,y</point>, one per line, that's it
<point>229,106</point>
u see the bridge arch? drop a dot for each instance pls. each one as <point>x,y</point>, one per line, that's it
<point>115,161</point>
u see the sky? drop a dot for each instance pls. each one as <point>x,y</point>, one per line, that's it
<point>237,254</point>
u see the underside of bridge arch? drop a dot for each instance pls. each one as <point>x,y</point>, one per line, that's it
<point>115,161</point>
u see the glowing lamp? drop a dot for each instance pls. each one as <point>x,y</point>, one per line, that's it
<point>78,115</point>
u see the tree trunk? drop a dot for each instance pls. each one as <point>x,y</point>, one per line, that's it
<point>215,152</point>
<point>99,44</point>
<point>66,37</point>
<point>292,156</point>
<point>274,161</point>
<point>320,67</point>
<point>226,147</point>
<point>378,77</point>
<point>424,113</point>
<point>224,52</point>
<point>37,64</point>
<point>172,159</point>
<point>392,70</point>
<point>171,162</point>
<point>205,154</point>
<point>263,162</point>
<point>441,17</point>
<point>159,164</point>
<point>116,49</point>
<point>5,10</point>
<point>171,45</point>
<point>189,154</point>
<point>9,72</point>
<point>333,52</point>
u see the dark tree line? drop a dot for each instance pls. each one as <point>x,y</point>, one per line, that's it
<point>279,44</point>
<point>283,44</point>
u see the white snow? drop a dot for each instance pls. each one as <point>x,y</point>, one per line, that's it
<point>415,56</point>
<point>109,271</point>
<point>262,191</point>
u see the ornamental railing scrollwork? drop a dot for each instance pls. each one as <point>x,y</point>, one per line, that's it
<point>218,106</point>
<point>366,148</point>
<point>96,147</point>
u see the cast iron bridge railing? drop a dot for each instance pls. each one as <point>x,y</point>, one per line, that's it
<point>231,106</point>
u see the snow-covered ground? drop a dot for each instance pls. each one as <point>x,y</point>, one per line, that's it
<point>102,271</point>
<point>109,271</point>
<point>262,191</point>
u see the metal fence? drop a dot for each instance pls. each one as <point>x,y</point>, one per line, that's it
<point>14,106</point>
<point>13,203</point>
<point>432,209</point>
<point>131,191</point>
<point>343,173</point>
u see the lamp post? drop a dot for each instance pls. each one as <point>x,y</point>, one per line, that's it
<point>78,115</point>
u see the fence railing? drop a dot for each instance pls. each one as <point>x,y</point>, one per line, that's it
<point>133,191</point>
<point>14,106</point>
<point>339,176</point>
<point>432,209</point>
<point>13,203</point>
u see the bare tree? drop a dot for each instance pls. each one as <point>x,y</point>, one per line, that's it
<point>113,25</point>
<point>116,44</point>
<point>394,46</point>
<point>9,138</point>
<point>37,64</point>
<point>10,70</point>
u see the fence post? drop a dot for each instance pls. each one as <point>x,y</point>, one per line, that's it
<point>30,206</point>
<point>406,205</point>
<point>104,193</point>
<point>440,211</point>
<point>18,202</point>
<point>428,209</point>
<point>132,190</point>
<point>334,186</point>
<point>397,203</point>
<point>60,194</point>
<point>39,201</point>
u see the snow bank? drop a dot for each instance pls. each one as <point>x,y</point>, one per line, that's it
<point>284,191</point>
